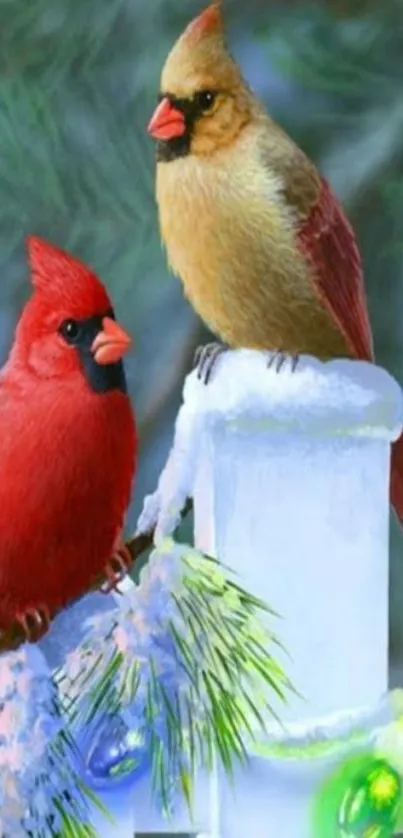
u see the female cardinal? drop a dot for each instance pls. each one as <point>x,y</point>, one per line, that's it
<point>68,443</point>
<point>265,253</point>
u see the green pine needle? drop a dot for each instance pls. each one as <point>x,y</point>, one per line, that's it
<point>227,677</point>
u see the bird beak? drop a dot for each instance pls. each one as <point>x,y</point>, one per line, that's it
<point>166,122</point>
<point>111,343</point>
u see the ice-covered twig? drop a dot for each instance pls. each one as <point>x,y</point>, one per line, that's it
<point>162,510</point>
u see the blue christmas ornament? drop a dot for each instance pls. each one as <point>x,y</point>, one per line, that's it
<point>114,752</point>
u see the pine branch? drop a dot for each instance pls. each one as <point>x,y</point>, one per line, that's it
<point>14,636</point>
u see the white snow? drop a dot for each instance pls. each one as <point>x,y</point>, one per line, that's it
<point>163,508</point>
<point>340,396</point>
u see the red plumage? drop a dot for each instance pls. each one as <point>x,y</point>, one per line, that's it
<point>328,242</point>
<point>68,451</point>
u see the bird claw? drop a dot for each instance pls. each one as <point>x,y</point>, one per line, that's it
<point>35,622</point>
<point>116,569</point>
<point>278,359</point>
<point>205,359</point>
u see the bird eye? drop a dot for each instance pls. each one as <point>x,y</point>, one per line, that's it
<point>205,99</point>
<point>70,330</point>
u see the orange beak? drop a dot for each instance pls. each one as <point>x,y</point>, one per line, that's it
<point>166,122</point>
<point>111,343</point>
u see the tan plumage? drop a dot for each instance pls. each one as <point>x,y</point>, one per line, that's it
<point>235,252</point>
<point>229,210</point>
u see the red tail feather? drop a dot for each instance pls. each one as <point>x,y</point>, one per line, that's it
<point>396,486</point>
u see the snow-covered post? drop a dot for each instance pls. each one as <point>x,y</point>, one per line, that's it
<point>291,489</point>
<point>289,472</point>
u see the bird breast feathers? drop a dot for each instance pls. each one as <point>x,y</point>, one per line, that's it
<point>215,202</point>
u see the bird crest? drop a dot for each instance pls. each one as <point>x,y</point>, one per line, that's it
<point>55,273</point>
<point>49,264</point>
<point>209,21</point>
<point>198,54</point>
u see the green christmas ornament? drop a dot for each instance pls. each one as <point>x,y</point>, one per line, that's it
<point>362,799</point>
<point>370,805</point>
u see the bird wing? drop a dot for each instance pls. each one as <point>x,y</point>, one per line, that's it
<point>327,240</point>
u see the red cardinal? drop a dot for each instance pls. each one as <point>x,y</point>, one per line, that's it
<point>261,244</point>
<point>68,443</point>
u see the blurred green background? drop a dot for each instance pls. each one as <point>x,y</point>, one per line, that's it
<point>78,83</point>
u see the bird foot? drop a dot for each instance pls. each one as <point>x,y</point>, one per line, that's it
<point>35,622</point>
<point>117,568</point>
<point>205,359</point>
<point>278,358</point>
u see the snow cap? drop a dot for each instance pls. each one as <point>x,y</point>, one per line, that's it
<point>336,398</point>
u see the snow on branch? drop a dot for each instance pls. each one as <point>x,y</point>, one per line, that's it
<point>40,791</point>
